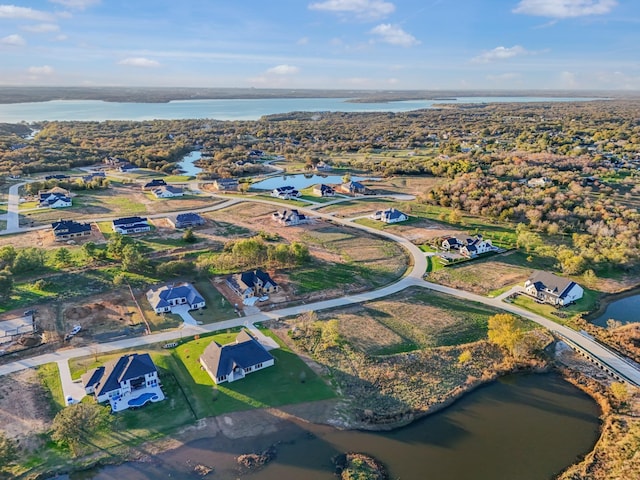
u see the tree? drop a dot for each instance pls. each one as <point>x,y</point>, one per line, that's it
<point>28,260</point>
<point>619,391</point>
<point>132,259</point>
<point>89,250</point>
<point>505,330</point>
<point>465,357</point>
<point>76,424</point>
<point>8,451</point>
<point>62,257</point>
<point>189,236</point>
<point>6,283</point>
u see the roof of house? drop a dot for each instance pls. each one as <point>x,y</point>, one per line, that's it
<point>247,280</point>
<point>65,227</point>
<point>226,181</point>
<point>392,214</point>
<point>189,217</point>
<point>108,377</point>
<point>168,188</point>
<point>58,176</point>
<point>128,221</point>
<point>156,182</point>
<point>160,297</point>
<point>551,284</point>
<point>286,188</point>
<point>245,352</point>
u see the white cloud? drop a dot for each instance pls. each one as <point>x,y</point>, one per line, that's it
<point>76,4</point>
<point>500,53</point>
<point>139,62</point>
<point>565,8</point>
<point>568,80</point>
<point>44,70</point>
<point>283,70</point>
<point>42,28</point>
<point>361,9</point>
<point>13,41</point>
<point>303,41</point>
<point>24,13</point>
<point>394,35</point>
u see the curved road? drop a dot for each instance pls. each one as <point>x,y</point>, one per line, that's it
<point>414,277</point>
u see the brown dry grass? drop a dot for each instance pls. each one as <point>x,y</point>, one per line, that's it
<point>481,277</point>
<point>365,333</point>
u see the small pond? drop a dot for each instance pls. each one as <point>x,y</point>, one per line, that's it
<point>625,310</point>
<point>186,165</point>
<point>302,180</point>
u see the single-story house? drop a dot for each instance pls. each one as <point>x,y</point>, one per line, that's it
<point>353,188</point>
<point>538,182</point>
<point>163,299</point>
<point>91,176</point>
<point>66,229</point>
<point>252,283</point>
<point>553,289</point>
<point>58,176</point>
<point>129,225</point>
<point>231,362</point>
<point>155,183</point>
<point>391,215</point>
<point>126,167</point>
<point>289,218</point>
<point>54,198</point>
<point>323,190</point>
<point>226,184</point>
<point>130,381</point>
<point>167,191</point>
<point>186,220</point>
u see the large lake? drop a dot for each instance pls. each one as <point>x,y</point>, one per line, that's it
<point>525,427</point>
<point>227,109</point>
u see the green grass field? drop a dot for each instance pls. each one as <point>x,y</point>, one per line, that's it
<point>586,304</point>
<point>49,376</point>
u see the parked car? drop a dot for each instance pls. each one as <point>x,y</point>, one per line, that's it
<point>75,330</point>
<point>70,400</point>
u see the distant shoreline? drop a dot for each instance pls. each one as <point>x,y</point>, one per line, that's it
<point>13,95</point>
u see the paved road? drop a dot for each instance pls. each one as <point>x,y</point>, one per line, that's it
<point>13,218</point>
<point>413,278</point>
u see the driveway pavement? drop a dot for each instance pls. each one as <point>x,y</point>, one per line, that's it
<point>183,311</point>
<point>69,387</point>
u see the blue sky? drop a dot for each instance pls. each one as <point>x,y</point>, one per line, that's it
<point>359,44</point>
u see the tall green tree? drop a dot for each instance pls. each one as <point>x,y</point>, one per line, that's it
<point>506,331</point>
<point>62,257</point>
<point>77,424</point>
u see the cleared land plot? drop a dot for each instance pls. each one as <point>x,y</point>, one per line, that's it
<point>481,276</point>
<point>413,319</point>
<point>347,259</point>
<point>356,208</point>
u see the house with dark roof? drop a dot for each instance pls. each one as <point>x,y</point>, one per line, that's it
<point>89,178</point>
<point>285,193</point>
<point>186,220</point>
<point>252,283</point>
<point>58,176</point>
<point>549,288</point>
<point>390,215</point>
<point>167,191</point>
<point>226,184</point>
<point>128,225</point>
<point>67,229</point>
<point>165,298</point>
<point>322,190</point>
<point>55,198</point>
<point>130,381</point>
<point>353,188</point>
<point>155,183</point>
<point>233,361</point>
<point>289,218</point>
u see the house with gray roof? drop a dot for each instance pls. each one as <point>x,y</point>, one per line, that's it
<point>390,215</point>
<point>289,218</point>
<point>130,381</point>
<point>233,361</point>
<point>128,225</point>
<point>549,288</point>
<point>186,220</point>
<point>226,184</point>
<point>165,298</point>
<point>167,191</point>
<point>67,229</point>
<point>252,283</point>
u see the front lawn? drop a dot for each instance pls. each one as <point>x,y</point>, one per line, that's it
<point>561,315</point>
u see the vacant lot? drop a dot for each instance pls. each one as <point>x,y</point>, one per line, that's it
<point>481,276</point>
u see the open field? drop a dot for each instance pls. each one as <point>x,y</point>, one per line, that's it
<point>481,276</point>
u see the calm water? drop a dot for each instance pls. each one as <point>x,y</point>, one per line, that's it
<point>625,310</point>
<point>527,427</point>
<point>229,109</point>
<point>301,181</point>
<point>187,163</point>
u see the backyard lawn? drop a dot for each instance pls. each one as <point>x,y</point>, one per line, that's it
<point>586,304</point>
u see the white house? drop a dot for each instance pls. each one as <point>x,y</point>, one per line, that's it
<point>54,198</point>
<point>289,218</point>
<point>130,381</point>
<point>476,247</point>
<point>390,215</point>
<point>129,225</point>
<point>231,362</point>
<point>550,288</point>
<point>163,299</point>
<point>167,191</point>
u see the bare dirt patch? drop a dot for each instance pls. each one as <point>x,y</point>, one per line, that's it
<point>24,408</point>
<point>104,317</point>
